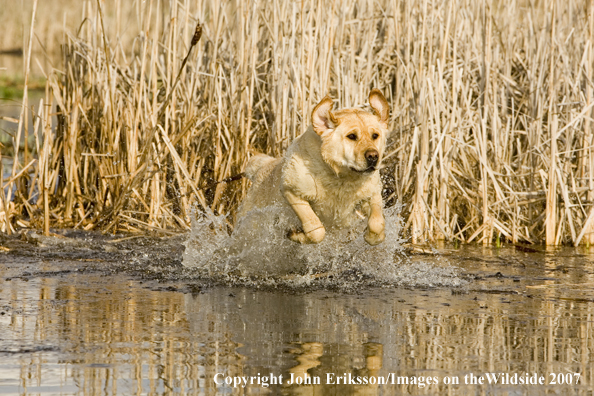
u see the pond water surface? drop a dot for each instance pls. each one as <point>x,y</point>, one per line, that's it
<point>86,314</point>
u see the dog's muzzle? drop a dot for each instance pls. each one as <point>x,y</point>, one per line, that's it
<point>372,158</point>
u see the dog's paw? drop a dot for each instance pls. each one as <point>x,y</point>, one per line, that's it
<point>316,235</point>
<point>296,235</point>
<point>373,238</point>
<point>313,236</point>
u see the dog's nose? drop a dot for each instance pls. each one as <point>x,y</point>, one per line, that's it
<point>372,156</point>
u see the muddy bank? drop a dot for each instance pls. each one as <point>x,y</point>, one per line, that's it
<point>69,251</point>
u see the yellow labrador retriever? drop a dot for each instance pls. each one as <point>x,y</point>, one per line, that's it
<point>328,173</point>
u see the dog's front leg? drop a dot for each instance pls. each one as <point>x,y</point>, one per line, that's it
<point>375,223</point>
<point>313,229</point>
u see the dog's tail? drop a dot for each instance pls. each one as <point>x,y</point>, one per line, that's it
<point>255,164</point>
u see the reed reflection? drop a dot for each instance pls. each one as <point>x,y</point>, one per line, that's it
<point>88,335</point>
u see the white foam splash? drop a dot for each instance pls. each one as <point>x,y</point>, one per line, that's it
<point>259,249</point>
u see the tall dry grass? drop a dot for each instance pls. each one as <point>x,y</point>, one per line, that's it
<point>55,18</point>
<point>491,112</point>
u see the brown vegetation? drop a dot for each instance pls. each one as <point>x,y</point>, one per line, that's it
<point>492,112</point>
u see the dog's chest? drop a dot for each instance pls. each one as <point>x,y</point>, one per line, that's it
<point>333,198</point>
<point>336,201</point>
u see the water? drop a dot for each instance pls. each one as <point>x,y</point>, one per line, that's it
<point>258,250</point>
<point>83,313</point>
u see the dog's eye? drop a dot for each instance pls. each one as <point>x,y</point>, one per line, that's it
<point>374,136</point>
<point>352,136</point>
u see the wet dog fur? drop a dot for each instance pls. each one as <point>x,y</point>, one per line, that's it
<point>328,173</point>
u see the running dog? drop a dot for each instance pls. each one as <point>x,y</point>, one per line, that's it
<point>329,173</point>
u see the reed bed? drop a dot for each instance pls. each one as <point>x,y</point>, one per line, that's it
<point>54,19</point>
<point>491,112</point>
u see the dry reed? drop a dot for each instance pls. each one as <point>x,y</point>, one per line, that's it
<point>491,111</point>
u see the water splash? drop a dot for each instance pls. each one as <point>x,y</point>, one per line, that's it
<point>259,252</point>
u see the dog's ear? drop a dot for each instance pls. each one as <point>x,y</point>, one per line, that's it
<point>322,117</point>
<point>379,104</point>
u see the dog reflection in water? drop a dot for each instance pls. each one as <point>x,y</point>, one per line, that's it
<point>307,358</point>
<point>302,382</point>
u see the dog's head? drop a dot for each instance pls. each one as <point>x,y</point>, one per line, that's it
<point>353,140</point>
